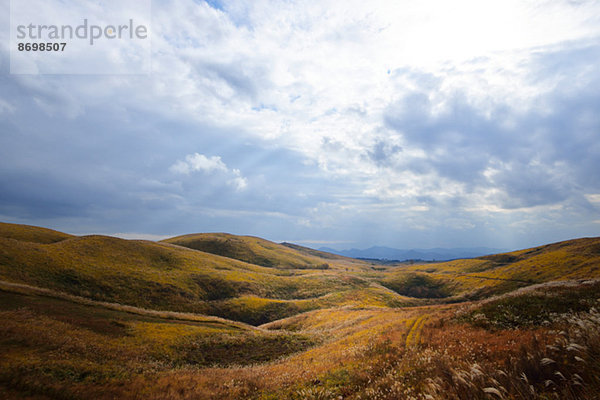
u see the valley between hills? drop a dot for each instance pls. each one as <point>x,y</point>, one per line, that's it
<point>219,316</point>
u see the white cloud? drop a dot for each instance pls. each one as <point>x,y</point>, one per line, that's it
<point>320,79</point>
<point>593,198</point>
<point>238,181</point>
<point>199,162</point>
<point>138,236</point>
<point>312,73</point>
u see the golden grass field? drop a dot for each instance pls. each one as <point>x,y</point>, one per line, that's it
<point>216,316</point>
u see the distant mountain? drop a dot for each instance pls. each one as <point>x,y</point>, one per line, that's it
<point>437,254</point>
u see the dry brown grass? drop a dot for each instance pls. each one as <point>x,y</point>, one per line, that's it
<point>165,277</point>
<point>105,325</point>
<point>250,249</point>
<point>32,234</point>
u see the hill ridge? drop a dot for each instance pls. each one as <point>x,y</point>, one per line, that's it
<point>31,233</point>
<point>251,249</point>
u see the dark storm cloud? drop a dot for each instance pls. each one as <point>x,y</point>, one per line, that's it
<point>301,124</point>
<point>78,166</point>
<point>458,142</point>
<point>36,196</point>
<point>527,186</point>
<point>543,156</point>
<point>382,152</point>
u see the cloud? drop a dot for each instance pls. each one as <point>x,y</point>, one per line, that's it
<point>382,152</point>
<point>198,162</point>
<point>139,236</point>
<point>360,121</point>
<point>593,198</point>
<point>514,154</point>
<point>238,181</point>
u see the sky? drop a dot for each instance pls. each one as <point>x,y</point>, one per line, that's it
<point>410,124</point>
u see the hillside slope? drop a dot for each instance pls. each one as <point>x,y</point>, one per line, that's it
<point>32,234</point>
<point>167,277</point>
<point>104,318</point>
<point>500,273</point>
<point>54,348</point>
<point>250,249</point>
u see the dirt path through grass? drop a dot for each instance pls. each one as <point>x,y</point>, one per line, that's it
<point>414,334</point>
<point>171,315</point>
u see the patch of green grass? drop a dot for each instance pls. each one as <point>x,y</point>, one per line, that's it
<point>418,285</point>
<point>241,348</point>
<point>257,311</point>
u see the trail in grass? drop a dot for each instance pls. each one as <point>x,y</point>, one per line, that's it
<point>170,315</point>
<point>414,334</point>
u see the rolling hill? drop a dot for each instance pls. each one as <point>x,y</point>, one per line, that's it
<point>250,249</point>
<point>218,316</point>
<point>168,277</point>
<point>32,234</point>
<point>497,274</point>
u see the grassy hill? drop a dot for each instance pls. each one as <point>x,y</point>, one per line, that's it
<point>166,277</point>
<point>496,274</point>
<point>47,342</point>
<point>34,234</point>
<point>250,249</point>
<point>59,349</point>
<point>215,316</point>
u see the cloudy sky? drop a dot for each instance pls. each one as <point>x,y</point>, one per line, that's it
<point>412,123</point>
